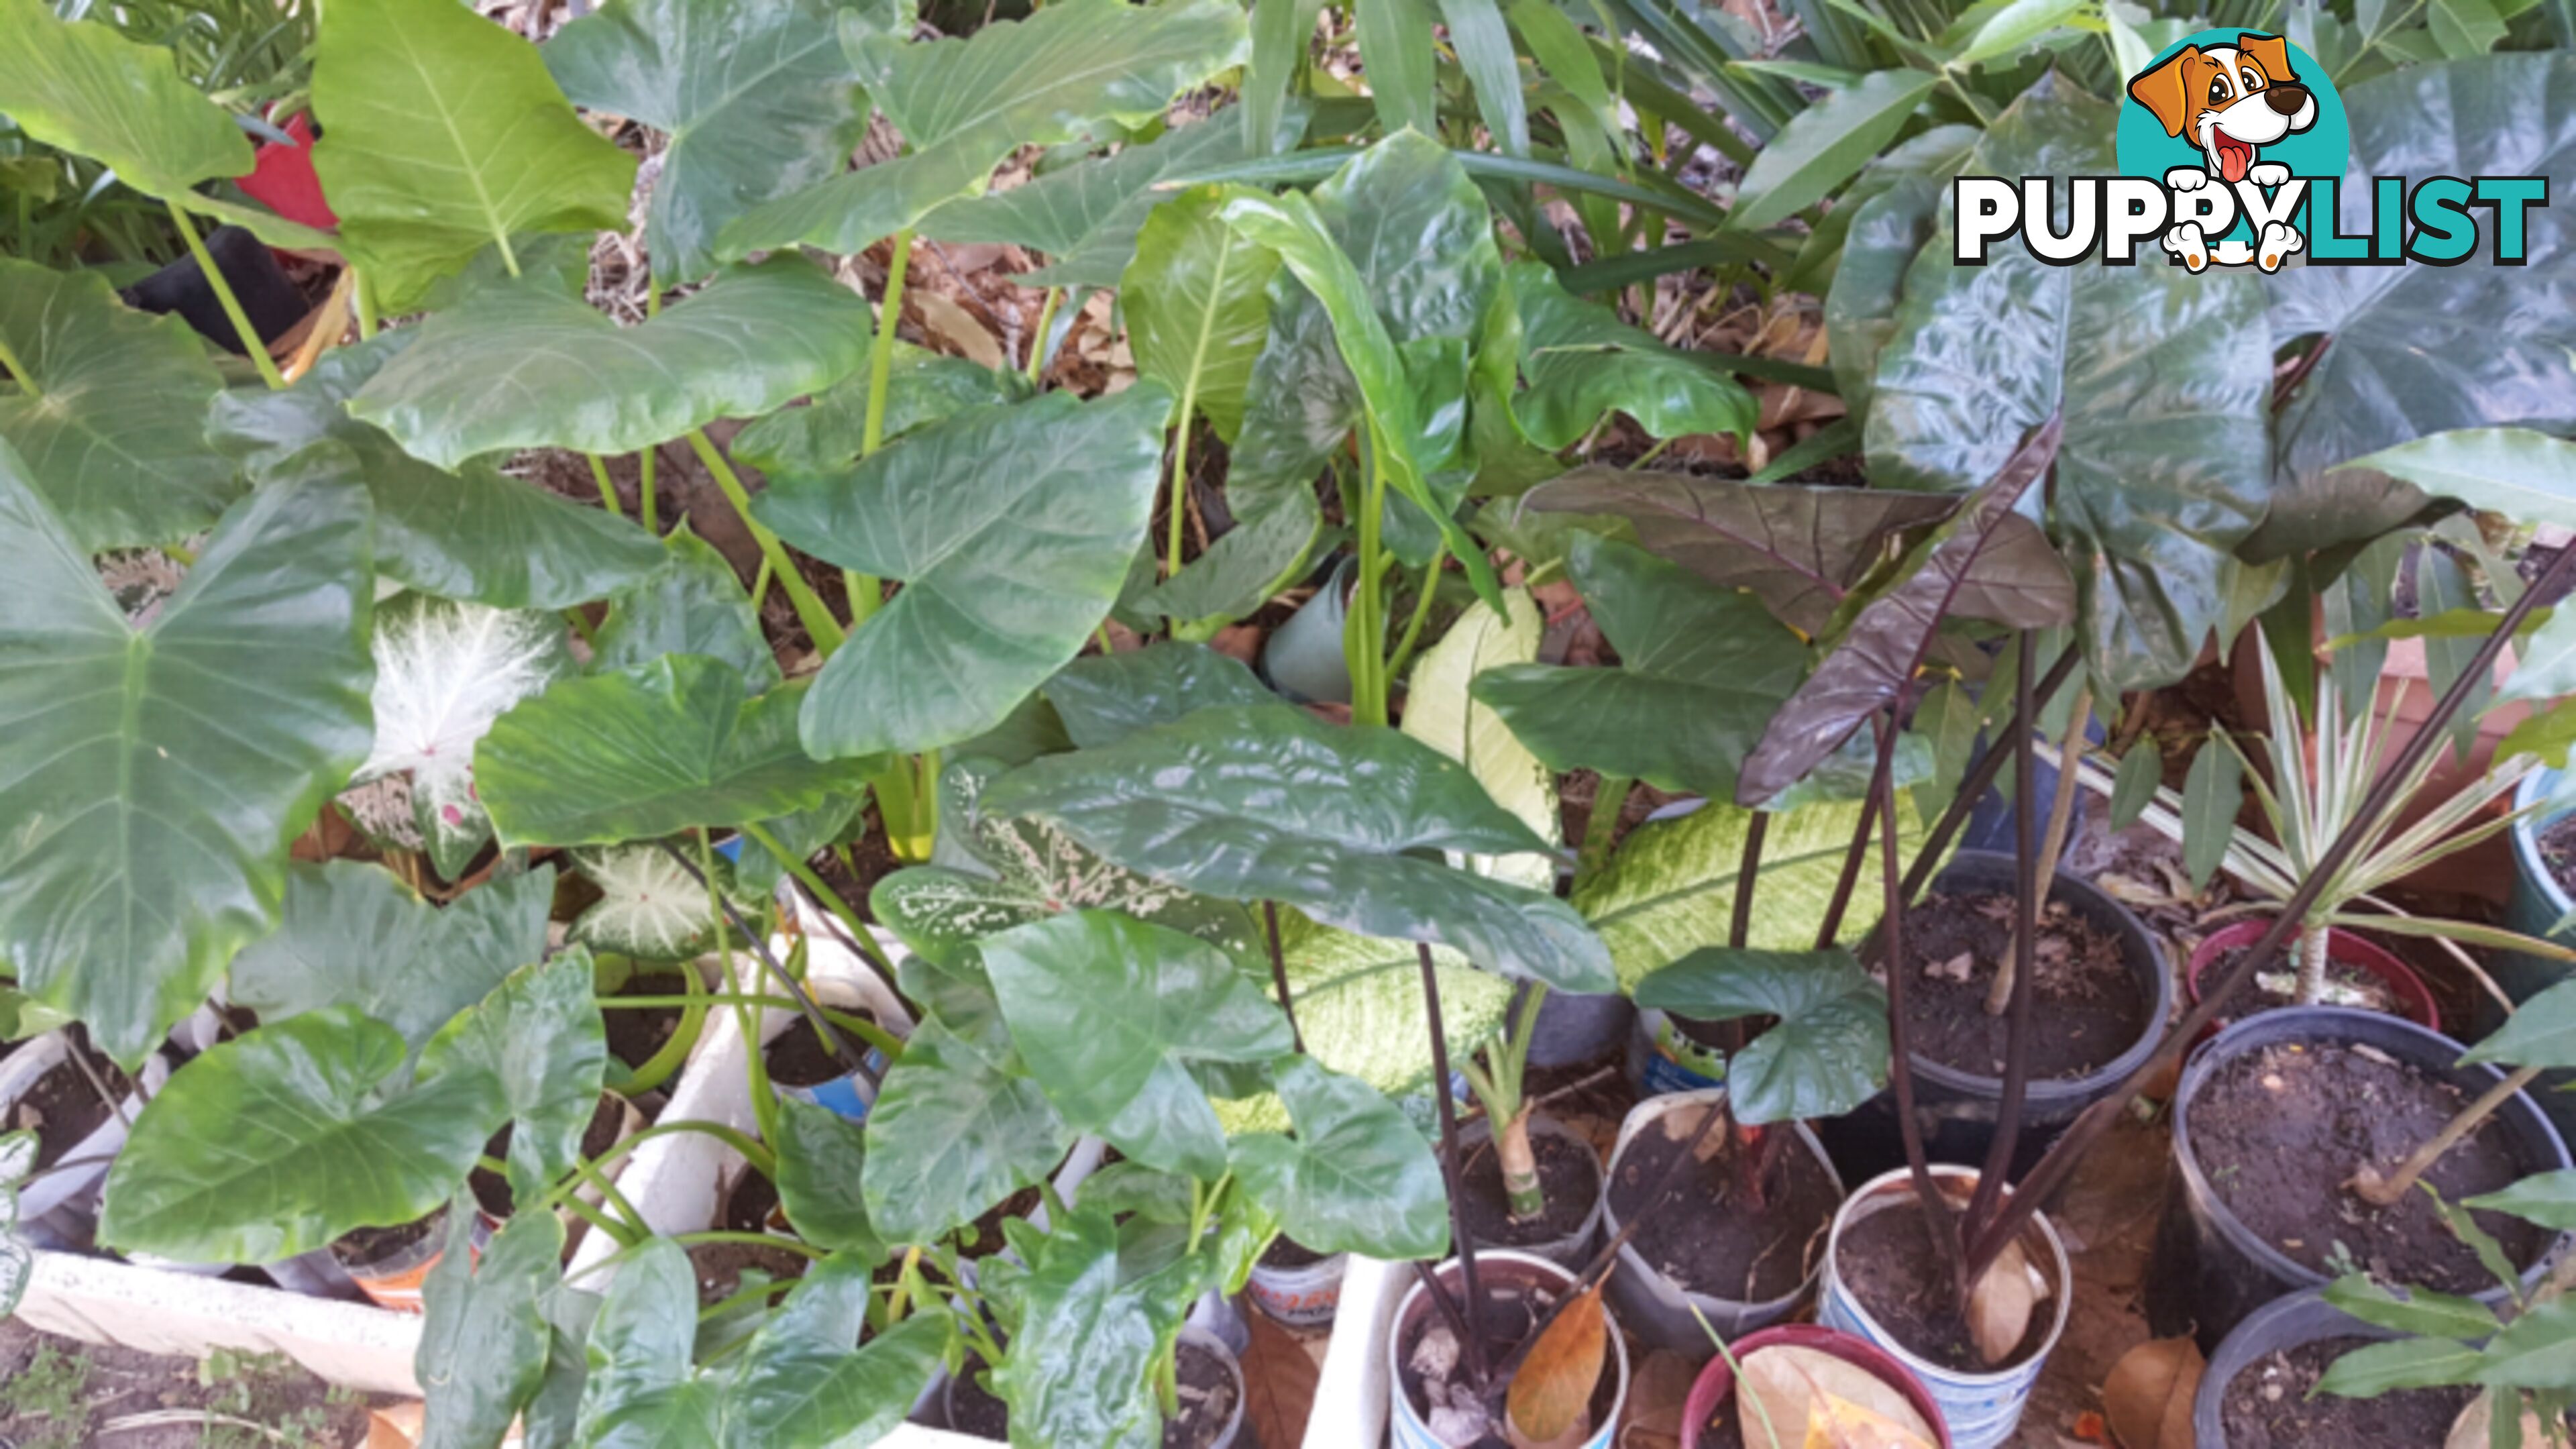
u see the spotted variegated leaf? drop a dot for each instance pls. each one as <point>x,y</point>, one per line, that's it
<point>17,1265</point>
<point>649,908</point>
<point>444,671</point>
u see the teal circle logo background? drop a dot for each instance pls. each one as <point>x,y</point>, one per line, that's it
<point>2323,149</point>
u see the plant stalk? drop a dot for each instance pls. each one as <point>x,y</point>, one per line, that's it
<point>1471,1294</point>
<point>2052,848</point>
<point>818,621</point>
<point>1937,1217</point>
<point>1364,630</point>
<point>2029,889</point>
<point>864,589</point>
<point>1609,801</point>
<point>1279,975</point>
<point>2316,951</point>
<point>17,372</point>
<point>1038,342</point>
<point>2386,1191</point>
<point>607,490</point>
<point>824,1031</point>
<point>223,290</point>
<point>1521,1186</point>
<point>1858,854</point>
<point>1403,655</point>
<point>1748,871</point>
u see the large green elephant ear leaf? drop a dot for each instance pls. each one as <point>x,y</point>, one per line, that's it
<point>484,1338</point>
<point>177,761</point>
<point>1011,527</point>
<point>1090,1326</point>
<point>1066,73</point>
<point>1702,669</point>
<point>473,534</point>
<point>442,134</point>
<point>2163,380</point>
<point>830,433</point>
<point>1357,1177</point>
<point>1017,871</point>
<point>758,100</point>
<point>354,935</point>
<point>277,1142</point>
<point>444,672</point>
<point>1826,1049</point>
<point>1266,802</point>
<point>1198,307</point>
<point>491,375</point>
<point>957,1128</point>
<point>1103,698</point>
<point>802,1382</point>
<point>1887,231</point>
<point>110,410</point>
<point>1581,363</point>
<point>693,604</point>
<point>539,1034</point>
<point>647,752</point>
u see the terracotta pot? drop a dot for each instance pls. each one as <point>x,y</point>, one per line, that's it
<point>1716,1382</point>
<point>2343,948</point>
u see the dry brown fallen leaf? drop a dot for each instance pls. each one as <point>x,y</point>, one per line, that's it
<point>1655,1397</point>
<point>954,325</point>
<point>2147,1398</point>
<point>2469,1431</point>
<point>2000,1305</point>
<point>1551,1394</point>
<point>398,1427</point>
<point>1279,1379</point>
<point>1782,1385</point>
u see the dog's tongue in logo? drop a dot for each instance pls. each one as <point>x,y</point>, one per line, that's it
<point>2235,157</point>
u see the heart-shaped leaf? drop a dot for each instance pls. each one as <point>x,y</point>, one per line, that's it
<point>1582,363</point>
<point>692,604</point>
<point>110,411</point>
<point>821,1155</point>
<point>491,374</point>
<point>953,1132</point>
<point>649,907</point>
<point>640,1388</point>
<point>1012,528</point>
<point>1702,670</point>
<point>649,751</point>
<point>1066,73</point>
<point>1826,1053</point>
<point>1090,1326</point>
<point>829,433</point>
<point>276,1142</point>
<point>540,1035</point>
<point>355,935</point>
<point>801,1380</point>
<point>1359,1007</point>
<point>1887,231</point>
<point>1268,803</point>
<point>173,773</point>
<point>2517,472</point>
<point>1357,1177</point>
<point>442,134</point>
<point>484,1339</point>
<point>1198,307</point>
<point>1103,698</point>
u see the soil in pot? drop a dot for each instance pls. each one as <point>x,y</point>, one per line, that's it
<point>971,1410</point>
<point>1568,1174</point>
<point>62,1108</point>
<point>1710,1236</point>
<point>362,1248</point>
<point>753,1200</point>
<point>722,1268</point>
<point>2084,990</point>
<point>797,1057</point>
<point>2267,1406</point>
<point>1207,1395</point>
<point>1287,1252</point>
<point>2346,985</point>
<point>1888,1261</point>
<point>2279,1131</point>
<point>1507,1315</point>
<point>635,1034</point>
<point>2558,853</point>
<point>492,1189</point>
<point>988,1228</point>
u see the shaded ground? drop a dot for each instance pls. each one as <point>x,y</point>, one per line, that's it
<point>56,1393</point>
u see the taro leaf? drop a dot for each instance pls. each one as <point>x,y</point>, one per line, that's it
<point>820,1155</point>
<point>801,835</point>
<point>499,371</point>
<point>1198,308</point>
<point>1066,73</point>
<point>444,672</point>
<point>253,1151</point>
<point>1106,1010</point>
<point>2212,794</point>
<point>1103,698</point>
<point>758,101</point>
<point>471,534</point>
<point>1553,1385</point>
<point>692,604</point>
<point>155,776</point>
<point>1020,871</point>
<point>803,1383</point>
<point>639,1390</point>
<point>1670,889</point>
<point>1581,362</point>
<point>1087,1334</point>
<point>1987,562</point>
<point>442,134</point>
<point>1130,1187</point>
<point>1825,145</point>
<point>1887,231</point>
<point>484,1338</point>
<point>1269,547</point>
<point>2416,350</point>
<point>1356,1178</point>
<point>81,86</point>
<point>2162,381</point>
<point>110,412</point>
<point>648,751</point>
<point>921,388</point>
<point>1826,1053</point>
<point>953,1132</point>
<point>2527,476</point>
<point>1266,802</point>
<point>1703,670</point>
<point>1012,528</point>
<point>1800,550</point>
<point>1087,215</point>
<point>649,907</point>
<point>2546,1198</point>
<point>2535,1351</point>
<point>2540,1033</point>
<point>1439,711</point>
<point>541,1036</point>
<point>355,935</point>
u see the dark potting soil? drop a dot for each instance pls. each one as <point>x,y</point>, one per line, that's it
<point>972,1410</point>
<point>988,1238</point>
<point>1286,1252</point>
<point>2346,986</point>
<point>1568,1174</point>
<point>748,1207</point>
<point>721,1268</point>
<point>636,1033</point>
<point>2558,853</point>
<point>1207,1398</point>
<point>797,1057</point>
<point>2278,1132</point>
<point>362,1248</point>
<point>2267,1406</point>
<point>492,1189</point>
<point>1508,1314</point>
<point>1709,1235</point>
<point>1888,1262</point>
<point>2085,992</point>
<point>62,1108</point>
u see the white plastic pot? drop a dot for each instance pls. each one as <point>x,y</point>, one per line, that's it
<point>1302,1297</point>
<point>1409,1431</point>
<point>75,1187</point>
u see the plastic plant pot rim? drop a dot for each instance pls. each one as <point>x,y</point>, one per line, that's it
<point>1881,1192</point>
<point>1716,1382</point>
<point>1634,1263</point>
<point>2284,1323</point>
<point>2259,1030</point>
<point>2067,1091</point>
<point>1449,1274</point>
<point>2535,790</point>
<point>2348,947</point>
<point>1481,1131</point>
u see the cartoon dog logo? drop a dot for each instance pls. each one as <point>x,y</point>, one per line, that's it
<point>2230,100</point>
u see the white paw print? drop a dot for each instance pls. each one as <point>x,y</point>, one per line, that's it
<point>2186,178</point>
<point>2186,242</point>
<point>2279,241</point>
<point>2268,173</point>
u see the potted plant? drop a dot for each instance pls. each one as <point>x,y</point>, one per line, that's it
<point>1531,1184</point>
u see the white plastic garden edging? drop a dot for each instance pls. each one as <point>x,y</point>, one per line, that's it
<point>1351,1398</point>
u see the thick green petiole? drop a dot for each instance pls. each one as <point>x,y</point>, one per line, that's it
<point>818,620</point>
<point>223,290</point>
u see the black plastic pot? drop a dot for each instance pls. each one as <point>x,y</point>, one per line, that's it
<point>1957,1109</point>
<point>2210,1272</point>
<point>2283,1323</point>
<point>268,299</point>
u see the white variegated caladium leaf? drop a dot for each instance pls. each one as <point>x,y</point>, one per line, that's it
<point>649,908</point>
<point>444,671</point>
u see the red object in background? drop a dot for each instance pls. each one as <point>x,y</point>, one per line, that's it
<point>1715,1386</point>
<point>2343,948</point>
<point>284,182</point>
